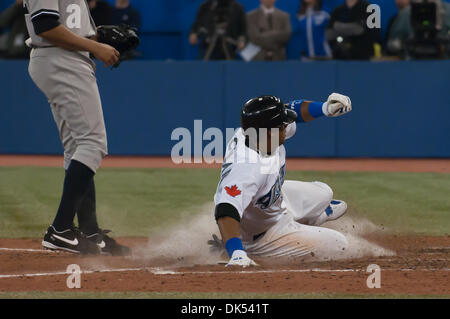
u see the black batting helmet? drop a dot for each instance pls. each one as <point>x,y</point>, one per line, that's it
<point>266,112</point>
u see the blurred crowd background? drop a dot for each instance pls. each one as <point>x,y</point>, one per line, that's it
<point>169,95</point>
<point>264,30</point>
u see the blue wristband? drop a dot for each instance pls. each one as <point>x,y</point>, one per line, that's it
<point>233,244</point>
<point>306,110</point>
<point>315,109</point>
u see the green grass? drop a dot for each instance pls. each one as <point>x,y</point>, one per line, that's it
<point>131,202</point>
<point>202,295</point>
<point>404,202</point>
<point>136,202</point>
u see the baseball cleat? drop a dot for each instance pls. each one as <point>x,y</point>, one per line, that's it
<point>336,209</point>
<point>107,245</point>
<point>70,240</point>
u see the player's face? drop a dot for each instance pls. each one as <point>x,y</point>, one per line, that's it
<point>282,134</point>
<point>279,134</point>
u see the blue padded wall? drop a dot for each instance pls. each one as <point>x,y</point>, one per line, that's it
<point>401,109</point>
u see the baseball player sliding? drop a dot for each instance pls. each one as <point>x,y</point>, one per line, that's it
<point>63,37</point>
<point>258,213</point>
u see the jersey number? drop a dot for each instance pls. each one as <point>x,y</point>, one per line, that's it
<point>74,19</point>
<point>275,192</point>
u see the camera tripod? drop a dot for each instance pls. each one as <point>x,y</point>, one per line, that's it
<point>219,38</point>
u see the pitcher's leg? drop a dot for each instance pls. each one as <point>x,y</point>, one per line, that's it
<point>80,121</point>
<point>87,219</point>
<point>87,212</point>
<point>83,115</point>
<point>77,175</point>
<point>77,179</point>
<point>73,93</point>
<point>91,148</point>
<point>68,142</point>
<point>306,200</point>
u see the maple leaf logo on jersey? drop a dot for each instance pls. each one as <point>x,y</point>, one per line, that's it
<point>233,190</point>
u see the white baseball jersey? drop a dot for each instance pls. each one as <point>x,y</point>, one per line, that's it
<point>252,183</point>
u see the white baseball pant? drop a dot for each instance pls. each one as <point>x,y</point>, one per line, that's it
<point>291,237</point>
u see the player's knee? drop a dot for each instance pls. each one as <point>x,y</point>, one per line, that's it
<point>336,245</point>
<point>67,158</point>
<point>69,149</point>
<point>99,145</point>
<point>103,147</point>
<point>326,191</point>
<point>90,155</point>
<point>340,245</point>
<point>341,242</point>
<point>101,152</point>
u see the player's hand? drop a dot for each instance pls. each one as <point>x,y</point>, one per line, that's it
<point>106,53</point>
<point>216,244</point>
<point>240,259</point>
<point>337,105</point>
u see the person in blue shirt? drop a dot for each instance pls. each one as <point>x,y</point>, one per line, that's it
<point>311,24</point>
<point>124,12</point>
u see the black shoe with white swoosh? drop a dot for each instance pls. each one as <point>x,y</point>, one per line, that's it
<point>70,240</point>
<point>107,245</point>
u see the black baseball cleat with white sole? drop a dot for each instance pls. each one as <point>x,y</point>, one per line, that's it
<point>70,240</point>
<point>107,245</point>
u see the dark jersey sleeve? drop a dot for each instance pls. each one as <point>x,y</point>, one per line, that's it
<point>44,14</point>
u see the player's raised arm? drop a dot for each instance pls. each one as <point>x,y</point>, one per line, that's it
<point>336,105</point>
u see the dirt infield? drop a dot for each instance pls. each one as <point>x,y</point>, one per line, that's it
<point>421,266</point>
<point>306,164</point>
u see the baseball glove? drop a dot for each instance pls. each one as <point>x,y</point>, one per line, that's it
<point>122,37</point>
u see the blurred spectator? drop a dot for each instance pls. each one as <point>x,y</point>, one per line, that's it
<point>401,29</point>
<point>221,24</point>
<point>13,45</point>
<point>270,29</point>
<point>100,12</point>
<point>311,24</point>
<point>348,34</point>
<point>401,6</point>
<point>124,12</point>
